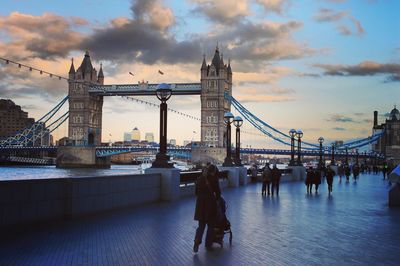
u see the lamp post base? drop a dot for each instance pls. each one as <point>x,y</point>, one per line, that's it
<point>162,161</point>
<point>227,162</point>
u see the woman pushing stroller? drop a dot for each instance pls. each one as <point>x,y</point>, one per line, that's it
<point>207,192</point>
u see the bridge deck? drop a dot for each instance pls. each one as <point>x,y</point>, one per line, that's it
<point>144,89</point>
<point>353,227</point>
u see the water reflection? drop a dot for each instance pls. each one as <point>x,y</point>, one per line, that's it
<point>44,172</point>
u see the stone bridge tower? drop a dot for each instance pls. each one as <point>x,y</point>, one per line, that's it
<point>85,110</point>
<point>216,80</point>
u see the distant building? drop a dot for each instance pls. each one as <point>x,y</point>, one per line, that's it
<point>186,142</point>
<point>12,118</point>
<point>172,142</point>
<point>136,134</point>
<point>127,136</point>
<point>389,144</point>
<point>149,137</point>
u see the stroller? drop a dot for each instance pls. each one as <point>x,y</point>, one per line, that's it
<point>223,226</point>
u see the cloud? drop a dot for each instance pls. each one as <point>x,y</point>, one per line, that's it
<point>276,6</point>
<point>342,19</point>
<point>47,36</point>
<point>222,11</point>
<point>366,68</point>
<point>263,98</point>
<point>341,119</point>
<point>329,15</point>
<point>339,128</point>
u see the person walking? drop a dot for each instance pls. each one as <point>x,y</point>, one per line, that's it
<point>309,179</point>
<point>266,180</point>
<point>276,179</point>
<point>356,172</point>
<point>207,192</point>
<point>347,172</point>
<point>316,179</point>
<point>254,172</point>
<point>384,170</point>
<point>329,178</point>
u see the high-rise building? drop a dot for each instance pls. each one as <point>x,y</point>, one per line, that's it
<point>136,134</point>
<point>12,118</point>
<point>172,142</point>
<point>127,136</point>
<point>149,137</point>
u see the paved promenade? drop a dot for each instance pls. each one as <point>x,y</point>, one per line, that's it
<point>352,227</point>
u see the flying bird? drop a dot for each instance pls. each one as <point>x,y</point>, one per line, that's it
<point>159,71</point>
<point>130,73</point>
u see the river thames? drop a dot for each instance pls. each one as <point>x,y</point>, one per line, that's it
<point>44,172</point>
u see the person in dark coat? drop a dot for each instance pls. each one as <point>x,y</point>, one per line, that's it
<point>267,178</point>
<point>356,172</point>
<point>309,180</point>
<point>347,172</point>
<point>276,179</point>
<point>316,179</point>
<point>207,192</point>
<point>329,178</point>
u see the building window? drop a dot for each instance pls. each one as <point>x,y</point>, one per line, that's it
<point>77,119</point>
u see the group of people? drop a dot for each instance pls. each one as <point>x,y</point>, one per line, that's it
<point>346,170</point>
<point>313,177</point>
<point>270,177</point>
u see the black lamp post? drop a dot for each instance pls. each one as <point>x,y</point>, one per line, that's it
<point>163,93</point>
<point>333,154</point>
<point>347,156</point>
<point>320,140</point>
<point>292,134</point>
<point>299,135</point>
<point>238,122</point>
<point>228,118</point>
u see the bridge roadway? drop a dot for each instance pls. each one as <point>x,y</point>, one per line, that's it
<point>352,227</point>
<point>143,89</point>
<point>105,151</point>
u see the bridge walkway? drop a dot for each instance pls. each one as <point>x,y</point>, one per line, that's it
<point>352,227</point>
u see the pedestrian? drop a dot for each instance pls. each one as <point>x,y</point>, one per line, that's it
<point>347,172</point>
<point>309,179</point>
<point>316,179</point>
<point>340,172</point>
<point>207,192</point>
<point>356,172</point>
<point>267,177</point>
<point>384,170</point>
<point>254,172</point>
<point>329,178</point>
<point>276,179</point>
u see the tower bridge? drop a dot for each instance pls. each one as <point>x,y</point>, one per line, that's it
<point>86,92</point>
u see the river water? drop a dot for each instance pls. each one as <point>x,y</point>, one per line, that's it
<point>44,172</point>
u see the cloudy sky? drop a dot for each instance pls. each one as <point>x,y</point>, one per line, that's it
<point>319,65</point>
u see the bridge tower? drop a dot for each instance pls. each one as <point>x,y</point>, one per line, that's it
<point>85,118</point>
<point>85,110</point>
<point>216,80</point>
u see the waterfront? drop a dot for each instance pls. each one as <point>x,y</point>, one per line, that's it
<point>44,172</point>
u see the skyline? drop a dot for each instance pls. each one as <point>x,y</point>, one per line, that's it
<point>279,65</point>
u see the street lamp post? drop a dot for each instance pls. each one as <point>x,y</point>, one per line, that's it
<point>320,140</point>
<point>333,154</point>
<point>238,122</point>
<point>347,156</point>
<point>299,135</point>
<point>163,93</point>
<point>292,134</point>
<point>228,118</point>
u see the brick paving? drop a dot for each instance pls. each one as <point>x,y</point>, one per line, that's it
<point>352,227</point>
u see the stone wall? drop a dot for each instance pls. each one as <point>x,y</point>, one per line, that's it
<point>30,201</point>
